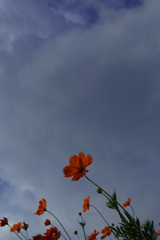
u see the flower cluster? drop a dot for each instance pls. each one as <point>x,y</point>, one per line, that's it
<point>129,227</point>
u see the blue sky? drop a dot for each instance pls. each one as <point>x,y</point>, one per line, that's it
<point>78,76</point>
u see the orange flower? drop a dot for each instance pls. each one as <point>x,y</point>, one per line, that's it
<point>158,233</point>
<point>4,222</point>
<point>16,227</point>
<point>86,204</point>
<point>47,222</point>
<point>93,235</point>
<point>106,231</point>
<point>77,167</point>
<point>39,237</point>
<point>42,207</point>
<point>52,234</point>
<point>125,204</point>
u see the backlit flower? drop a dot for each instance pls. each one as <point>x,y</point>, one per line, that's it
<point>93,235</point>
<point>47,222</point>
<point>4,222</point>
<point>158,233</point>
<point>106,231</point>
<point>42,207</point>
<point>86,204</point>
<point>52,234</point>
<point>39,237</point>
<point>16,227</point>
<point>125,204</point>
<point>25,226</point>
<point>77,167</point>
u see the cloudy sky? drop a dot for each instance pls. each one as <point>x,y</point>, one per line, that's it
<point>78,75</point>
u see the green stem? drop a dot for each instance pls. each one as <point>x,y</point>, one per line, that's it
<point>117,203</point>
<point>15,232</point>
<point>23,235</point>
<point>83,229</point>
<point>78,237</point>
<point>27,234</point>
<point>61,233</point>
<point>132,210</point>
<point>59,223</point>
<point>99,213</point>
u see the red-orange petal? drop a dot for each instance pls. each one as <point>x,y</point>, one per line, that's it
<point>86,204</point>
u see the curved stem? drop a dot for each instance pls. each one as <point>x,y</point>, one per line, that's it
<point>117,204</point>
<point>59,223</point>
<point>99,213</point>
<point>61,233</point>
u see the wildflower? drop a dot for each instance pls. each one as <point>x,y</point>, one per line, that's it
<point>39,237</point>
<point>16,227</point>
<point>25,226</point>
<point>47,222</point>
<point>93,235</point>
<point>4,222</point>
<point>42,207</point>
<point>52,234</point>
<point>106,231</point>
<point>77,167</point>
<point>125,204</point>
<point>158,233</point>
<point>75,232</point>
<point>86,204</point>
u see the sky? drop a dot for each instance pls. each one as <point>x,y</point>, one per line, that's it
<point>78,76</point>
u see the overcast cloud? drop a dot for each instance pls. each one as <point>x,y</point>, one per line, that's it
<point>78,76</point>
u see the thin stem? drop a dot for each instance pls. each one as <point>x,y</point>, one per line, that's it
<point>61,233</point>
<point>117,204</point>
<point>27,234</point>
<point>132,210</point>
<point>78,237</point>
<point>15,232</point>
<point>83,228</point>
<point>59,223</point>
<point>23,235</point>
<point>99,213</point>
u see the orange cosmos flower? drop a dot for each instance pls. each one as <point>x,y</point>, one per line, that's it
<point>158,233</point>
<point>4,222</point>
<point>42,207</point>
<point>52,234</point>
<point>86,204</point>
<point>106,231</point>
<point>47,222</point>
<point>125,204</point>
<point>39,237</point>
<point>77,167</point>
<point>16,227</point>
<point>93,235</point>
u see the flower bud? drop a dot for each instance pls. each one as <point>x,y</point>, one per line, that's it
<point>99,190</point>
<point>79,213</point>
<point>75,232</point>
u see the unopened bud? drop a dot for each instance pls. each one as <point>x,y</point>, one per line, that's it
<point>99,190</point>
<point>75,232</point>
